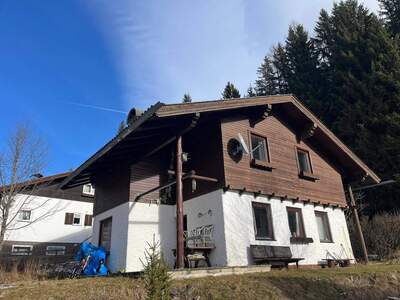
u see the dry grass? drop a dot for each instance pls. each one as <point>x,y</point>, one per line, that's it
<point>376,281</point>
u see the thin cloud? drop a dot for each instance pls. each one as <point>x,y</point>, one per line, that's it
<point>95,107</point>
<point>165,48</point>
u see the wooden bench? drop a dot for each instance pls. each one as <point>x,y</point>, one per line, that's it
<point>273,255</point>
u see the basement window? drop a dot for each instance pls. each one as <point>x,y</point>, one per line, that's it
<point>55,250</point>
<point>21,249</point>
<point>262,221</point>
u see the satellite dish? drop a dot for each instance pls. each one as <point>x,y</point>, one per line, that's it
<point>243,144</point>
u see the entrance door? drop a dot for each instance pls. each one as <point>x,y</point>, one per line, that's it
<point>105,234</point>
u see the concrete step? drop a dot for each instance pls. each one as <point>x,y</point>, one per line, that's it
<point>215,271</point>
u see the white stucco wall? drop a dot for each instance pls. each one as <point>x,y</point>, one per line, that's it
<point>207,210</point>
<point>148,222</point>
<point>239,229</point>
<point>117,259</point>
<point>47,220</point>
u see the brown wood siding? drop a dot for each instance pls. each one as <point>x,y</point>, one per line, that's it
<point>283,180</point>
<point>112,188</point>
<point>204,146</point>
<point>50,189</point>
<point>147,174</point>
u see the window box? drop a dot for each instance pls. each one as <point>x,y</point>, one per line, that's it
<point>308,176</point>
<point>301,240</point>
<point>261,164</point>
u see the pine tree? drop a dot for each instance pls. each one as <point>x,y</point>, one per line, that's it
<point>390,11</point>
<point>300,67</point>
<point>156,279</point>
<point>230,91</point>
<point>251,92</point>
<point>186,98</point>
<point>271,74</point>
<point>361,71</point>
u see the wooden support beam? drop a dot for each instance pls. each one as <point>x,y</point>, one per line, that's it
<point>358,225</point>
<point>308,131</point>
<point>263,115</point>
<point>192,175</point>
<point>179,205</point>
<point>189,127</point>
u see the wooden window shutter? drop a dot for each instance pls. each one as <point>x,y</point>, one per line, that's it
<point>69,218</point>
<point>88,220</point>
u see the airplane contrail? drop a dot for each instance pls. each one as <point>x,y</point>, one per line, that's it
<point>96,107</point>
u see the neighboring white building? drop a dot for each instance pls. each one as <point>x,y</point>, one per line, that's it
<point>260,171</point>
<point>50,222</point>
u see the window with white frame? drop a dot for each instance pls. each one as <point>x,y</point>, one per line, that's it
<point>324,230</point>
<point>21,249</point>
<point>77,219</point>
<point>262,220</point>
<point>55,250</point>
<point>295,219</point>
<point>88,190</point>
<point>24,215</point>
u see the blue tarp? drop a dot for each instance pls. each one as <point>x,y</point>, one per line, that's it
<point>96,264</point>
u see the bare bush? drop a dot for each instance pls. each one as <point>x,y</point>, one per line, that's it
<point>381,234</point>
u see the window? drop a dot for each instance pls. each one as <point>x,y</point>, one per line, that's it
<point>88,220</point>
<point>323,227</point>
<point>55,250</point>
<point>259,149</point>
<point>105,234</point>
<point>295,219</point>
<point>88,190</point>
<point>76,219</point>
<point>262,221</point>
<point>303,158</point>
<point>24,215</point>
<point>21,249</point>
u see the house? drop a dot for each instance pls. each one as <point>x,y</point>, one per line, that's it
<point>48,222</point>
<point>258,171</point>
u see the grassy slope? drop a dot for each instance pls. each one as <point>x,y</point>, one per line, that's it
<point>372,282</point>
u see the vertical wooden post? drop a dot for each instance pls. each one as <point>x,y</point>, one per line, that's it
<point>179,205</point>
<point>358,225</point>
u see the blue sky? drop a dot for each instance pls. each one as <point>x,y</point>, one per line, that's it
<point>57,58</point>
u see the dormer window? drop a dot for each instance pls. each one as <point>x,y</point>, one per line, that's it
<point>88,190</point>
